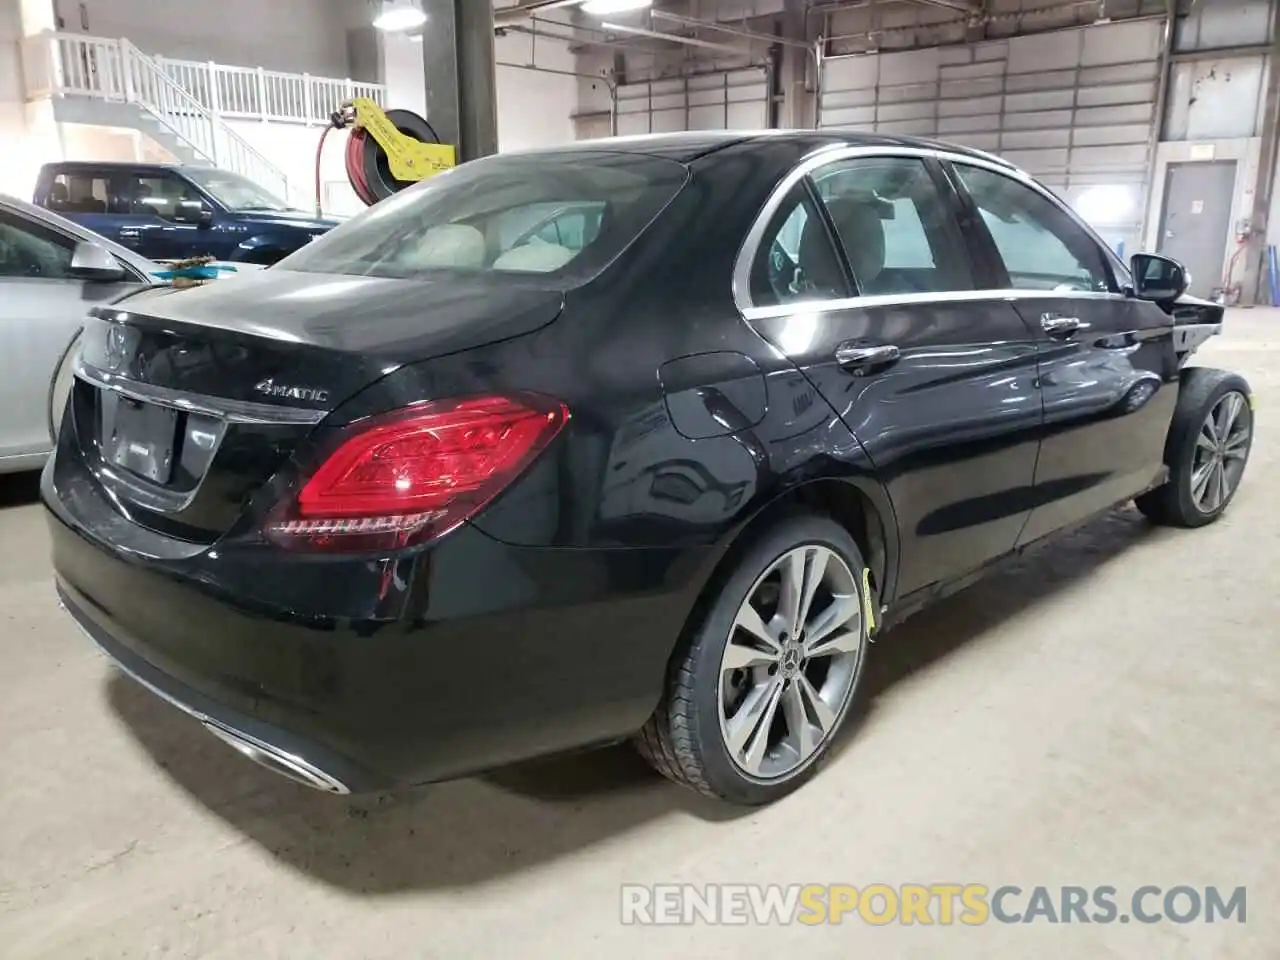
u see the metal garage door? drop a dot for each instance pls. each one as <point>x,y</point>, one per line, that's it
<point>733,100</point>
<point>1073,107</point>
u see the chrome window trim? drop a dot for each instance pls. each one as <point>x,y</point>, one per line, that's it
<point>836,153</point>
<point>906,299</point>
<point>231,411</point>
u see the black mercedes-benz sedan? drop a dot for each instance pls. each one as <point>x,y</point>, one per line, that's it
<point>641,438</point>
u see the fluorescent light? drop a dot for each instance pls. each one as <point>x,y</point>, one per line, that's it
<point>398,15</point>
<point>602,8</point>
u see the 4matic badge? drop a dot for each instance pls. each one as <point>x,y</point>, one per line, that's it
<point>287,391</point>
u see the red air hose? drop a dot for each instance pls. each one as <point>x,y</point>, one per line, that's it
<point>356,168</point>
<point>355,160</point>
<point>366,162</point>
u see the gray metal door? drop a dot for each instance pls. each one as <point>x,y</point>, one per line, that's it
<point>1197,218</point>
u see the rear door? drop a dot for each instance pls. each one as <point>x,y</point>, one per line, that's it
<point>1107,366</point>
<point>863,280</point>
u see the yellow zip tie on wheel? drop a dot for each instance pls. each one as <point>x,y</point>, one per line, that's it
<point>868,607</point>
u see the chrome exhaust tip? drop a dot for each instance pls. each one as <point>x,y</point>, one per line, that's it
<point>277,760</point>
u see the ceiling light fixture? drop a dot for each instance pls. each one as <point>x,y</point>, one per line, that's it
<point>399,15</point>
<point>603,8</point>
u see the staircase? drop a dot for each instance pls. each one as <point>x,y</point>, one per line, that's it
<point>182,105</point>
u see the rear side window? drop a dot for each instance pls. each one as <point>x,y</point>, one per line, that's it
<point>80,193</point>
<point>895,226</point>
<point>559,216</point>
<point>797,260</point>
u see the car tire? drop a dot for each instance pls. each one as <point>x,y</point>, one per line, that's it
<point>1207,451</point>
<point>60,386</point>
<point>705,733</point>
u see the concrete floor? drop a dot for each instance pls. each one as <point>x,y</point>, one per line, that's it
<point>1106,714</point>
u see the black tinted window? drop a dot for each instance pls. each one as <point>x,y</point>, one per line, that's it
<point>1042,248</point>
<point>562,216</point>
<point>894,225</point>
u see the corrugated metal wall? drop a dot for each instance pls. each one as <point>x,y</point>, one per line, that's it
<point>729,100</point>
<point>1074,107</point>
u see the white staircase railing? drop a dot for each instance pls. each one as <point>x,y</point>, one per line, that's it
<point>151,87</point>
<point>191,100</point>
<point>249,93</point>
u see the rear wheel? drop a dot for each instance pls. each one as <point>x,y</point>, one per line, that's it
<point>1209,443</point>
<point>754,702</point>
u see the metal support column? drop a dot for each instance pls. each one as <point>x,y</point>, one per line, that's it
<point>1255,272</point>
<point>1149,191</point>
<point>458,69</point>
<point>795,67</point>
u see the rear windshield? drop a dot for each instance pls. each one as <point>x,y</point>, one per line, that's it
<point>556,217</point>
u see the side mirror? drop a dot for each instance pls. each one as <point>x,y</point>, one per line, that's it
<point>193,211</point>
<point>1157,278</point>
<point>92,261</point>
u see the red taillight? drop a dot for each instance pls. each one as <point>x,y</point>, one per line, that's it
<point>418,473</point>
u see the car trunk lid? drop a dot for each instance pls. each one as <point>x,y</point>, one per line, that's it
<point>187,402</point>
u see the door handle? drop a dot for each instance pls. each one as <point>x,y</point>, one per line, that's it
<point>1060,327</point>
<point>850,355</point>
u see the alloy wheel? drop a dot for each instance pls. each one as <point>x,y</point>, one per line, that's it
<point>1222,447</point>
<point>790,663</point>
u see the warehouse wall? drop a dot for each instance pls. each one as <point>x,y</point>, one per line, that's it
<point>681,88</point>
<point>301,36</point>
<point>1075,107</point>
<point>28,131</point>
<point>1215,111</point>
<point>535,106</point>
<point>13,172</point>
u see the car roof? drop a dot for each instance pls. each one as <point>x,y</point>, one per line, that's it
<point>690,146</point>
<point>47,217</point>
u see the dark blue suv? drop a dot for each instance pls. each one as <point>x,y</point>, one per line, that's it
<point>173,212</point>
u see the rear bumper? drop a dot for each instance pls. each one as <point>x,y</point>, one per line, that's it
<point>281,751</point>
<point>493,654</point>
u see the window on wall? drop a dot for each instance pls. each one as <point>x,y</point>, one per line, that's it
<point>894,225</point>
<point>1042,248</point>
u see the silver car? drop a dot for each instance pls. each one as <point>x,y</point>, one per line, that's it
<point>51,272</point>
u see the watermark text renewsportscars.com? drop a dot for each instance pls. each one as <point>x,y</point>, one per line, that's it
<point>963,904</point>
